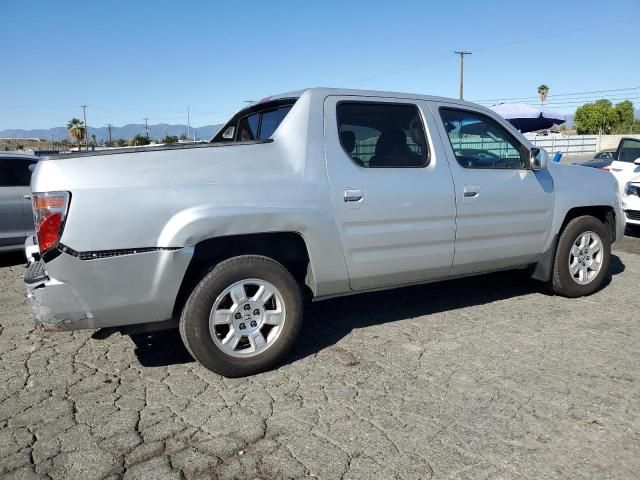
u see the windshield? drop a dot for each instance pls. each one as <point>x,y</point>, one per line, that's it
<point>256,123</point>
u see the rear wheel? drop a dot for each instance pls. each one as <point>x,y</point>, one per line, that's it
<point>243,316</point>
<point>582,257</point>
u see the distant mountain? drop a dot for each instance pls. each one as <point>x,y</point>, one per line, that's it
<point>126,132</point>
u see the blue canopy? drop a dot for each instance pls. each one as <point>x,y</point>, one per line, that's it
<point>527,118</point>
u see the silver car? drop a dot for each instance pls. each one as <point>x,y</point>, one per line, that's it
<point>309,194</point>
<point>16,214</point>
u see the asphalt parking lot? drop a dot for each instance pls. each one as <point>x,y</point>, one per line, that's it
<point>479,378</point>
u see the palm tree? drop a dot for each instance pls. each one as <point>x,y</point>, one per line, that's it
<point>76,130</point>
<point>543,91</point>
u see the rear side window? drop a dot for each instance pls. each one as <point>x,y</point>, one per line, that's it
<point>478,141</point>
<point>630,151</point>
<point>15,172</point>
<point>382,135</point>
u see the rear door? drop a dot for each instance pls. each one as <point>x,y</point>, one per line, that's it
<point>505,209</point>
<point>623,167</point>
<point>391,190</point>
<point>12,230</point>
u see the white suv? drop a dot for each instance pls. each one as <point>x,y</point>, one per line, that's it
<point>631,201</point>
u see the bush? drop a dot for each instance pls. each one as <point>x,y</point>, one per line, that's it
<point>170,139</point>
<point>140,140</point>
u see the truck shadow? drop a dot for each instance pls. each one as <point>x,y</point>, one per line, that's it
<point>329,321</point>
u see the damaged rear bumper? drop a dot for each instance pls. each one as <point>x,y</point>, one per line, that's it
<point>74,293</point>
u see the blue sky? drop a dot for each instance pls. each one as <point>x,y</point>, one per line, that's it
<point>129,60</point>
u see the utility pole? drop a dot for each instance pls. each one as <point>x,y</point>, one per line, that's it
<point>109,125</point>
<point>188,122</point>
<point>146,126</point>
<point>86,128</point>
<point>462,54</point>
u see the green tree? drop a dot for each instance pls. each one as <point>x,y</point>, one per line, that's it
<point>624,111</point>
<point>140,140</point>
<point>170,139</point>
<point>543,92</point>
<point>121,142</point>
<point>183,136</point>
<point>596,118</point>
<point>76,130</point>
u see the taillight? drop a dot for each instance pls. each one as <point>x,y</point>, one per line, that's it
<point>606,169</point>
<point>49,211</point>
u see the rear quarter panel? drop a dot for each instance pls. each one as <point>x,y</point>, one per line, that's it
<point>177,198</point>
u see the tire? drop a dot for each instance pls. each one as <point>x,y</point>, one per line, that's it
<point>563,282</point>
<point>242,273</point>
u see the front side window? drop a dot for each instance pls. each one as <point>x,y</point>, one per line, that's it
<point>630,151</point>
<point>478,141</point>
<point>382,135</point>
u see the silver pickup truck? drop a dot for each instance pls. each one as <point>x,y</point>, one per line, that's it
<point>311,194</point>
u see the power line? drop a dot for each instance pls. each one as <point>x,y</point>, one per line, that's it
<point>557,95</point>
<point>592,100</point>
<point>567,102</point>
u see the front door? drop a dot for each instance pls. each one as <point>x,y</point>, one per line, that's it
<point>391,190</point>
<point>505,209</point>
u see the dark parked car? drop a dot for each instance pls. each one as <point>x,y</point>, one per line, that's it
<point>609,154</point>
<point>16,214</point>
<point>601,159</point>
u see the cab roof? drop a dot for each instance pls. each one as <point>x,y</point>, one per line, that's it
<point>325,91</point>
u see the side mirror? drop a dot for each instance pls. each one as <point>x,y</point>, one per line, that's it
<point>539,159</point>
<point>637,161</point>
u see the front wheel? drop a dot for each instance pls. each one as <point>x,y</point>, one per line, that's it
<point>582,257</point>
<point>243,316</point>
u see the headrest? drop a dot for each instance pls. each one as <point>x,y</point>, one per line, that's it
<point>394,137</point>
<point>348,140</point>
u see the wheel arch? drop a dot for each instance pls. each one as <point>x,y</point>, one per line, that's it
<point>605,213</point>
<point>543,269</point>
<point>288,248</point>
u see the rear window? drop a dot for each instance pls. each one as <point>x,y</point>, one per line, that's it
<point>256,123</point>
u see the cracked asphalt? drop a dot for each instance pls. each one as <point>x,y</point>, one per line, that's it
<point>479,378</point>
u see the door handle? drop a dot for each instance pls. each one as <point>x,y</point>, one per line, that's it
<point>351,196</point>
<point>470,193</point>
<point>27,196</point>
